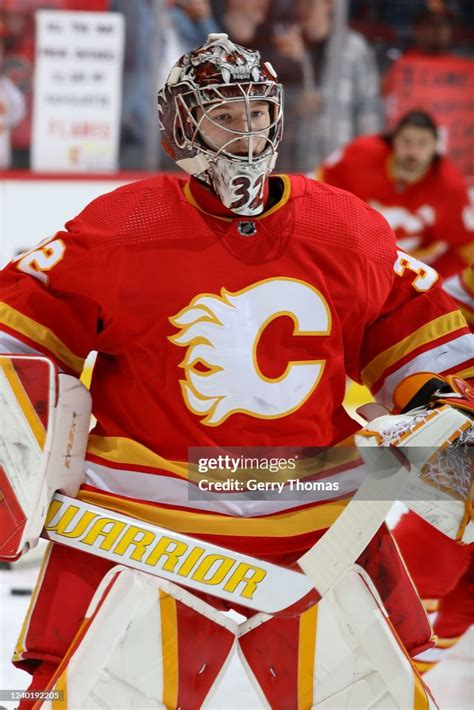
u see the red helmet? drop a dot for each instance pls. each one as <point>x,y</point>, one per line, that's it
<point>217,74</point>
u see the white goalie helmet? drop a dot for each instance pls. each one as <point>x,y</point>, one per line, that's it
<point>223,74</point>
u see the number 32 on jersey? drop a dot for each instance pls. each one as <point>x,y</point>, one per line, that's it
<point>41,259</point>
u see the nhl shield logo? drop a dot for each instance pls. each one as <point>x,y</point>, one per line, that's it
<point>247,229</point>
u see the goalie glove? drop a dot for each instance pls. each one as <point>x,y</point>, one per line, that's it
<point>435,439</point>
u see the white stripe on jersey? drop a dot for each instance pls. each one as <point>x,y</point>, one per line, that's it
<point>160,488</point>
<point>13,346</point>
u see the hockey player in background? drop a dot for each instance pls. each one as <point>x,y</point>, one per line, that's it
<point>421,193</point>
<point>227,310</point>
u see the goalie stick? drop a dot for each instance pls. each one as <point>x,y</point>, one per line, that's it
<point>243,579</point>
<point>200,565</point>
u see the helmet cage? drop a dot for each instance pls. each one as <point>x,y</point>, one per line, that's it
<point>213,75</point>
<point>187,132</point>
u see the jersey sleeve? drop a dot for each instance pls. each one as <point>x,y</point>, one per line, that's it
<point>418,329</point>
<point>52,299</point>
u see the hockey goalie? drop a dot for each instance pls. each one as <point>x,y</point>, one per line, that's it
<point>227,310</point>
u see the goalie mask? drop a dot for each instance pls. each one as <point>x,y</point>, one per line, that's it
<point>221,120</point>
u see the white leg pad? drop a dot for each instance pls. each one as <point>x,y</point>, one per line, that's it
<point>358,648</point>
<point>347,657</point>
<point>129,651</point>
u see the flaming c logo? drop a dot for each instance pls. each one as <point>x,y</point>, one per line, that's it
<point>221,334</point>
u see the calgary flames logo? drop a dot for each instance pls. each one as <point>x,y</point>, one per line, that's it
<point>221,334</point>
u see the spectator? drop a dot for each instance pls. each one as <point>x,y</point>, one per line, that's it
<point>243,20</point>
<point>18,67</point>
<point>193,21</point>
<point>400,14</point>
<point>420,193</point>
<point>152,45</point>
<point>433,32</point>
<point>19,20</point>
<point>332,84</point>
<point>430,76</point>
<point>12,109</point>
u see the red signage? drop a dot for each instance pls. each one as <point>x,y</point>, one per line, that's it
<point>444,87</point>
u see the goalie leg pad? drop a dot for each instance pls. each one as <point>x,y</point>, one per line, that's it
<point>66,584</point>
<point>144,643</point>
<point>341,653</point>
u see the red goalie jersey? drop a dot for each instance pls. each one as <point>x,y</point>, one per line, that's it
<point>433,218</point>
<point>219,331</point>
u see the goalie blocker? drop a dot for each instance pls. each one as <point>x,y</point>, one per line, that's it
<point>44,425</point>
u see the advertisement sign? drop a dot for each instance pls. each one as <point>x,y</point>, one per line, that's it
<point>77,91</point>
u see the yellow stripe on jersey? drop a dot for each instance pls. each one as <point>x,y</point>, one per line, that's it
<point>190,198</point>
<point>31,415</point>
<point>467,277</point>
<point>124,451</point>
<point>468,315</point>
<point>287,524</point>
<point>437,328</point>
<point>466,252</point>
<point>118,449</point>
<point>283,200</point>
<point>41,335</point>
<point>169,649</point>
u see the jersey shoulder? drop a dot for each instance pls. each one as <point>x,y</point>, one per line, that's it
<point>139,211</point>
<point>343,221</point>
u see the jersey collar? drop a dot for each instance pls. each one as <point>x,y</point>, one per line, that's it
<point>203,199</point>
